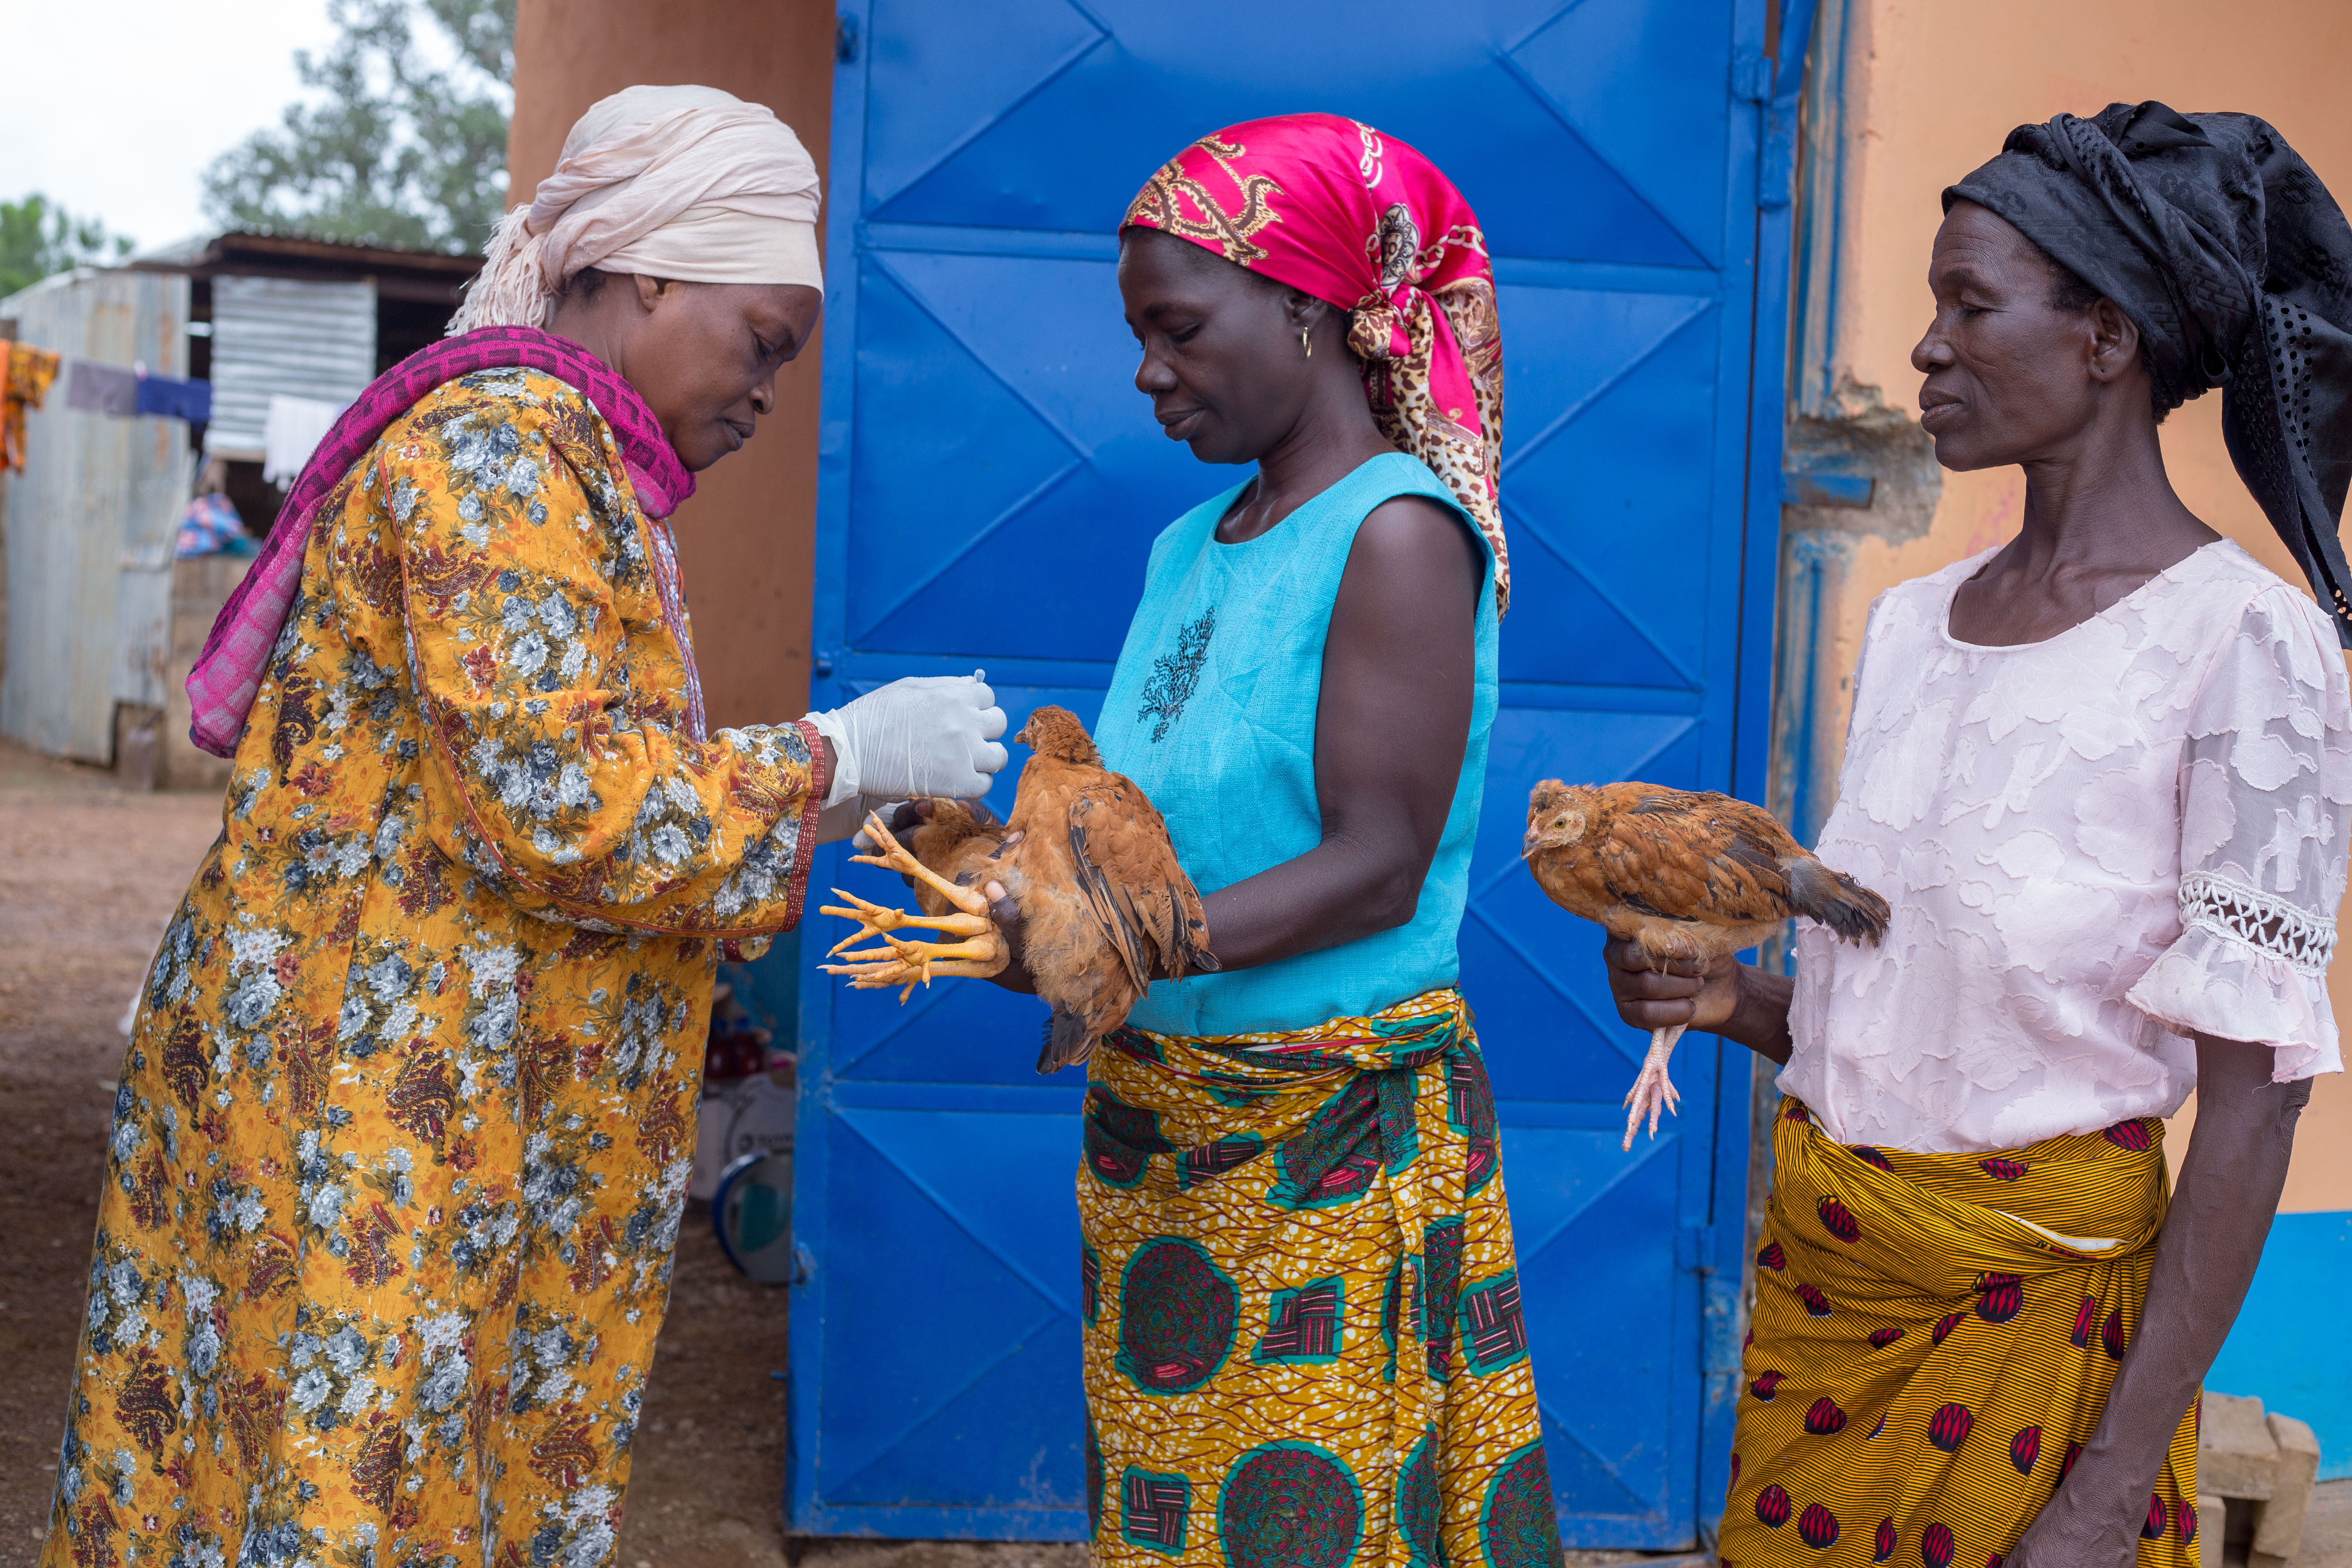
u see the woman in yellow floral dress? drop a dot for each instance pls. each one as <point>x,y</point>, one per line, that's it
<point>402,1142</point>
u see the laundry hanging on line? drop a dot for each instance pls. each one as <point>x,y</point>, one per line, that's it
<point>95,388</point>
<point>126,391</point>
<point>290,432</point>
<point>176,399</point>
<point>26,373</point>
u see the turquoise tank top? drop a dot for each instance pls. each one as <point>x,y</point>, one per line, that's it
<point>1211,710</point>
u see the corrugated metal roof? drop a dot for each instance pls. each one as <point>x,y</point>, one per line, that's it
<point>289,336</point>
<point>239,251</point>
<point>12,305</point>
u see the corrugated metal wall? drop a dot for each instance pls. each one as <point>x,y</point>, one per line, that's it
<point>92,521</point>
<point>289,336</point>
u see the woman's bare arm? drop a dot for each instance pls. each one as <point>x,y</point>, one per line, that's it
<point>2205,1258</point>
<point>1400,668</point>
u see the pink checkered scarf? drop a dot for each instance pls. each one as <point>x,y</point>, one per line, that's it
<point>228,673</point>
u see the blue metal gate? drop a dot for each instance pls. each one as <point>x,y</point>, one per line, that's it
<point>991,483</point>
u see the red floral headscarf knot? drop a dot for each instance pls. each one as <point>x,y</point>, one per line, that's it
<point>1333,208</point>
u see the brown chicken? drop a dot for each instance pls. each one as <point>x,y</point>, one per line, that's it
<point>1686,875</point>
<point>1104,905</point>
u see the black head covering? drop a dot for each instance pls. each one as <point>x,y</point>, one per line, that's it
<point>2234,262</point>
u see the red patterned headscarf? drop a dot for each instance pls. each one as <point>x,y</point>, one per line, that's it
<point>1360,221</point>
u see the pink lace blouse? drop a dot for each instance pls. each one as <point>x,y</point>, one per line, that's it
<point>2092,846</point>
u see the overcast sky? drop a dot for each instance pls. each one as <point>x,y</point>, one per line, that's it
<point>115,109</point>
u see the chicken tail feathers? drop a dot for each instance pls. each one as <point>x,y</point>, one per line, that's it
<point>1837,900</point>
<point>1067,1042</point>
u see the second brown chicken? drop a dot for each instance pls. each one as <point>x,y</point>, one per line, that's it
<point>1688,875</point>
<point>1104,907</point>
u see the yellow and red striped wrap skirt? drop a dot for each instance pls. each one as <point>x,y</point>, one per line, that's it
<point>1933,1339</point>
<point>1303,1341</point>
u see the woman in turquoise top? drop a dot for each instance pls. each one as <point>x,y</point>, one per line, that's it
<point>1304,1344</point>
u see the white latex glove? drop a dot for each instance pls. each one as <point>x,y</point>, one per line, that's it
<point>848,820</point>
<point>928,735</point>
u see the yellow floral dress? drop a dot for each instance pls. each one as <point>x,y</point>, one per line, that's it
<point>401,1142</point>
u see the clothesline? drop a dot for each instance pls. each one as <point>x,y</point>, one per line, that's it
<point>128,390</point>
<point>295,424</point>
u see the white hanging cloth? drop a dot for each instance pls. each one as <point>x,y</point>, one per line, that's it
<point>290,432</point>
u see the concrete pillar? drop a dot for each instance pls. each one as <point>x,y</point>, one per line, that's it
<point>747,538</point>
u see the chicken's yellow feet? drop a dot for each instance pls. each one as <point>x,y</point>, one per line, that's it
<point>906,963</point>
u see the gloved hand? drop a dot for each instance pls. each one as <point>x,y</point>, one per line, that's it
<point>848,820</point>
<point>928,735</point>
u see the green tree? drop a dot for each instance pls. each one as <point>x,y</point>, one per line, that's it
<point>37,239</point>
<point>395,152</point>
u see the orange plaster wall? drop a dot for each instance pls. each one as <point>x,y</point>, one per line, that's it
<point>747,538</point>
<point>1934,87</point>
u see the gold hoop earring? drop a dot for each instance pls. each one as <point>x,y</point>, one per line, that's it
<point>1306,343</point>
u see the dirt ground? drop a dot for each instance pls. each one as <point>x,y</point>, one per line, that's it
<point>89,875</point>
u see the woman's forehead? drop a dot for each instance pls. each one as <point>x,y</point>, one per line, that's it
<point>1178,272</point>
<point>1976,239</point>
<point>769,304</point>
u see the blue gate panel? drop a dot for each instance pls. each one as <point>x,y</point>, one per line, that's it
<point>990,485</point>
<point>1583,523</point>
<point>1041,451</point>
<point>987,1300</point>
<point>1600,1316</point>
<point>1040,114</point>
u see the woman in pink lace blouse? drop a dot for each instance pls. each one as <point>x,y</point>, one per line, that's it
<point>2103,774</point>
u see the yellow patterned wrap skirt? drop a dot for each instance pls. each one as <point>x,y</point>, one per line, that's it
<point>1934,1338</point>
<point>1303,1341</point>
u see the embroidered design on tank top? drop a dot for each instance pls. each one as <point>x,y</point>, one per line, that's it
<point>1173,676</point>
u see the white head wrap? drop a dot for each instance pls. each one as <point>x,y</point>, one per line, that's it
<point>686,182</point>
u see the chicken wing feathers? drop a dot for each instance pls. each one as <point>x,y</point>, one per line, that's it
<point>1702,857</point>
<point>1113,902</point>
<point>1118,913</point>
<point>1146,904</point>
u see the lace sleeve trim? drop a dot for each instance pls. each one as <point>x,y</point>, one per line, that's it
<point>2279,929</point>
